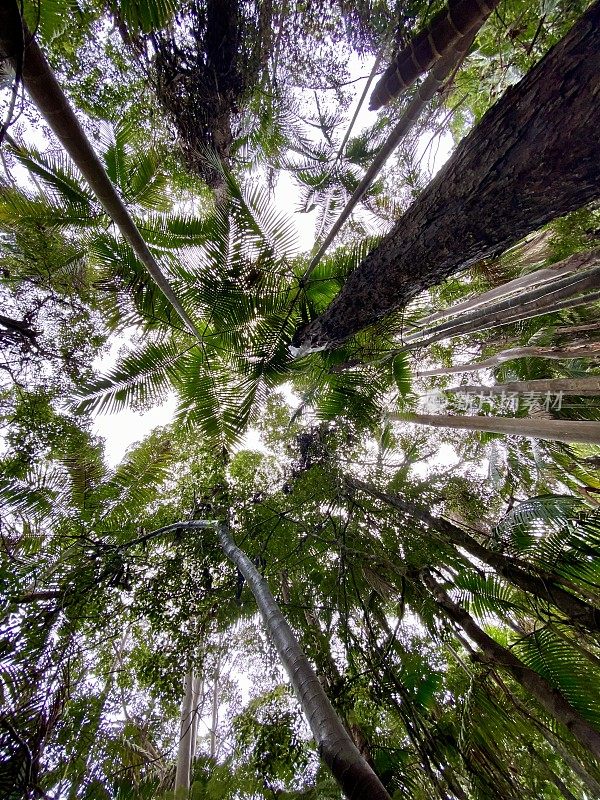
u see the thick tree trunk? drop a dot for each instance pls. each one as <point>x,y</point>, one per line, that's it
<point>215,705</point>
<point>493,653</point>
<point>560,354</point>
<point>556,430</point>
<point>354,775</point>
<point>572,387</point>
<point>534,156</point>
<point>532,580</point>
<point>184,749</point>
<point>51,102</point>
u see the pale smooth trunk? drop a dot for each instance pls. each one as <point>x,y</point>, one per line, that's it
<point>53,105</point>
<point>184,750</point>
<point>557,430</point>
<point>539,284</point>
<point>560,354</point>
<point>338,751</point>
<point>572,387</point>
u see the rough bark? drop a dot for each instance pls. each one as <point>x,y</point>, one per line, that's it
<point>532,580</point>
<point>354,775</point>
<point>52,103</point>
<point>184,749</point>
<point>584,351</point>
<point>534,156</point>
<point>493,653</point>
<point>572,387</point>
<point>556,430</point>
<point>460,18</point>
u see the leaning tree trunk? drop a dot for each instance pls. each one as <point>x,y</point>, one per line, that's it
<point>534,156</point>
<point>572,387</point>
<point>354,775</point>
<point>591,350</point>
<point>536,582</point>
<point>493,653</point>
<point>557,430</point>
<point>565,292</point>
<point>18,47</point>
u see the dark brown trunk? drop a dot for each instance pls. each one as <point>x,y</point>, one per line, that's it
<point>534,156</point>
<point>493,653</point>
<point>460,18</point>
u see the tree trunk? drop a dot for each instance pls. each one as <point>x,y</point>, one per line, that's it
<point>51,102</point>
<point>184,750</point>
<point>354,775</point>
<point>556,430</point>
<point>493,653</point>
<point>532,157</point>
<point>215,705</point>
<point>583,351</point>
<point>429,46</point>
<point>534,581</point>
<point>197,692</point>
<point>572,387</point>
<point>409,117</point>
<point>541,300</point>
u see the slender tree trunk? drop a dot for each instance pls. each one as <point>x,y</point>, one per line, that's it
<point>354,775</point>
<point>18,46</point>
<point>215,705</point>
<point>492,652</point>
<point>591,350</point>
<point>524,282</point>
<point>409,117</point>
<point>533,157</point>
<point>553,740</point>
<point>572,387</point>
<point>556,430</point>
<point>197,693</point>
<point>534,581</point>
<point>551,297</point>
<point>182,772</point>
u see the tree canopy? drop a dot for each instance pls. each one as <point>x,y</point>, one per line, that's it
<point>362,558</point>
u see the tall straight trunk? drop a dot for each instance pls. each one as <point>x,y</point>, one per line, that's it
<point>524,282</point>
<point>197,692</point>
<point>591,350</point>
<point>533,157</point>
<point>537,582</point>
<point>572,387</point>
<point>184,750</point>
<point>493,653</point>
<point>354,775</point>
<point>560,293</point>
<point>18,46</point>
<point>556,430</point>
<point>215,704</point>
